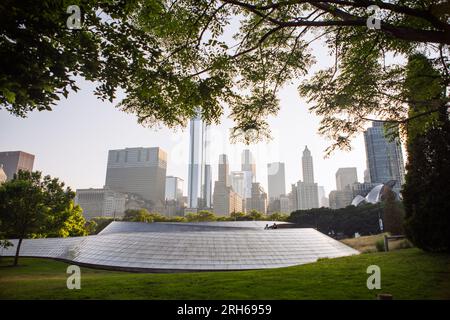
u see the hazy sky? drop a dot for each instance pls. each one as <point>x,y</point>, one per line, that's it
<point>72,141</point>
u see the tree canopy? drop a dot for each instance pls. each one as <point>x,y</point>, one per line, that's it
<point>426,190</point>
<point>174,58</point>
<point>36,206</point>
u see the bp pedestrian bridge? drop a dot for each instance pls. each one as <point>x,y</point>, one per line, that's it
<point>182,247</point>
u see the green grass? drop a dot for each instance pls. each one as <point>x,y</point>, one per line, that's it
<point>407,274</point>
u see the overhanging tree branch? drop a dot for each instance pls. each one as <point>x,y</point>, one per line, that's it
<point>400,32</point>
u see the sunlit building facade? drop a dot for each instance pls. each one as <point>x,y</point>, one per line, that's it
<point>140,171</point>
<point>384,157</point>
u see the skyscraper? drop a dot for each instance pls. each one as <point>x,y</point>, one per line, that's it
<point>307,190</point>
<point>199,170</point>
<point>241,181</point>
<point>340,198</point>
<point>174,196</point>
<point>140,171</point>
<point>13,161</point>
<point>323,200</point>
<point>345,178</point>
<point>226,200</point>
<point>206,195</point>
<point>223,169</point>
<point>248,163</point>
<point>307,166</point>
<point>307,195</point>
<point>384,157</point>
<point>276,180</point>
<point>258,200</point>
<point>174,188</point>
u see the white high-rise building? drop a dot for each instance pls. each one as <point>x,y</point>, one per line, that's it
<point>307,195</point>
<point>307,190</point>
<point>140,171</point>
<point>340,198</point>
<point>258,200</point>
<point>248,163</point>
<point>224,169</point>
<point>174,188</point>
<point>199,169</point>
<point>345,178</point>
<point>323,200</point>
<point>241,181</point>
<point>226,200</point>
<point>307,166</point>
<point>206,196</point>
<point>276,180</point>
<point>174,196</point>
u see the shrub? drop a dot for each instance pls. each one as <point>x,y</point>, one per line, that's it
<point>380,245</point>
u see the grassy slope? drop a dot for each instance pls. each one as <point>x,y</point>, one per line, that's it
<point>407,274</point>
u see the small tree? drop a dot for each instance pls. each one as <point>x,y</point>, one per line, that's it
<point>278,216</point>
<point>141,215</point>
<point>97,224</point>
<point>91,227</point>
<point>33,206</point>
<point>74,226</point>
<point>255,215</point>
<point>205,215</point>
<point>237,216</point>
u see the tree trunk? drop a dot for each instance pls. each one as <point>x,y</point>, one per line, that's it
<point>16,258</point>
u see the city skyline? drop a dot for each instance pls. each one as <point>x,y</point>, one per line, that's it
<point>57,157</point>
<point>93,127</point>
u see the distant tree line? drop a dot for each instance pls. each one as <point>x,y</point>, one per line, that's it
<point>344,222</point>
<point>143,215</point>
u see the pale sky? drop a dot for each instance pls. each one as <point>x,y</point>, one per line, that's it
<point>72,141</point>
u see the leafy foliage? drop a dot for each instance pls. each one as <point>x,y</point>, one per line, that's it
<point>346,221</point>
<point>380,245</point>
<point>97,224</point>
<point>74,225</point>
<point>174,59</point>
<point>426,190</point>
<point>36,206</point>
<point>141,215</point>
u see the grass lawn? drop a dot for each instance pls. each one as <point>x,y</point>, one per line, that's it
<point>407,274</point>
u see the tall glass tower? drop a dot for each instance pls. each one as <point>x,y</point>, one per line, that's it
<point>384,157</point>
<point>199,169</point>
